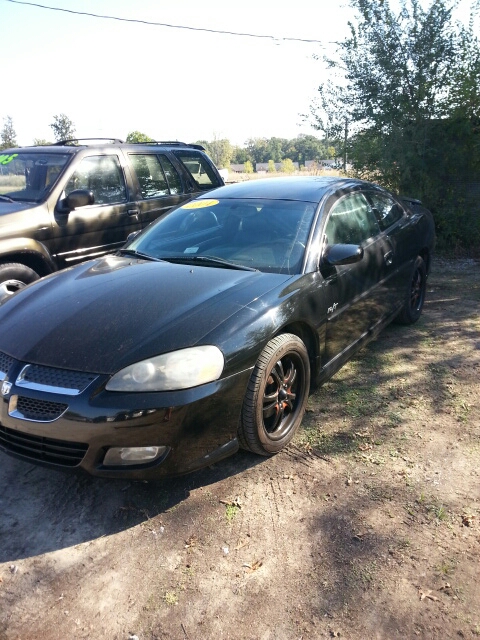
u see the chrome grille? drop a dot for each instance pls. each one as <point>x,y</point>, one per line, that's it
<point>5,364</point>
<point>39,449</point>
<point>34,376</point>
<point>38,410</point>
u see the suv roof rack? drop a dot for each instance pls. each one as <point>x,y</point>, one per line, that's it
<point>75,141</point>
<point>173,143</point>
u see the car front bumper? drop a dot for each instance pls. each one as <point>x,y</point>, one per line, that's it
<point>197,426</point>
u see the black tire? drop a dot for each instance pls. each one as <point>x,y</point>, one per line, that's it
<point>15,276</point>
<point>415,297</point>
<point>276,396</point>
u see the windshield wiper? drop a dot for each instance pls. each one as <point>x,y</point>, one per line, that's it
<point>6,199</point>
<point>137,254</point>
<point>207,261</point>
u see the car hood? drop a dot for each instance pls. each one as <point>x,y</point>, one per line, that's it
<point>14,207</point>
<point>103,315</point>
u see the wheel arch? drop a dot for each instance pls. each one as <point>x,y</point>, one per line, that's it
<point>310,339</point>
<point>426,257</point>
<point>28,252</point>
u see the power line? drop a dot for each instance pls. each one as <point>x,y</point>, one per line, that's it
<point>163,24</point>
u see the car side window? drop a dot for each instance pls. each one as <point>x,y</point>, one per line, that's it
<point>101,174</point>
<point>351,221</point>
<point>150,175</point>
<point>388,211</point>
<point>171,174</point>
<point>199,168</point>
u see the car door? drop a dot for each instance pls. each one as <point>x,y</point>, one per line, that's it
<point>98,228</point>
<point>394,224</point>
<point>356,293</point>
<point>159,185</point>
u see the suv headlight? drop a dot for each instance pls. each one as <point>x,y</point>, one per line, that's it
<point>176,370</point>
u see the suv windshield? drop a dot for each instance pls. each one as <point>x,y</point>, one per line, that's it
<point>29,177</point>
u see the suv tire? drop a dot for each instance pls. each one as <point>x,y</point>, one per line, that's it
<point>15,276</point>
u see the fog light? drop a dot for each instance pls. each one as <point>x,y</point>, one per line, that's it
<point>132,455</point>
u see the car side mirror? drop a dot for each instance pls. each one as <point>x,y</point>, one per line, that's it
<point>131,236</point>
<point>76,199</point>
<point>340,254</point>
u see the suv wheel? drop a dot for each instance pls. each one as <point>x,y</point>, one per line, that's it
<point>15,276</point>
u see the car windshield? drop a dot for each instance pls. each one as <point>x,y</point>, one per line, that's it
<point>268,235</point>
<point>27,176</point>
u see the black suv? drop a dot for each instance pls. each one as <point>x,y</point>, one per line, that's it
<point>78,199</point>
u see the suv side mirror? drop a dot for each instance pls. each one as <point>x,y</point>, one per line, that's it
<point>76,199</point>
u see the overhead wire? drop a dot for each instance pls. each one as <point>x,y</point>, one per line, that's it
<point>164,24</point>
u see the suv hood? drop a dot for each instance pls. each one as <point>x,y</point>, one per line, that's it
<point>13,207</point>
<point>103,315</point>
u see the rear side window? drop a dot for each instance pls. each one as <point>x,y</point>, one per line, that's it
<point>199,168</point>
<point>386,209</point>
<point>173,179</point>
<point>150,176</point>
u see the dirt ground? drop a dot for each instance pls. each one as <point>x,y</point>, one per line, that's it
<point>366,527</point>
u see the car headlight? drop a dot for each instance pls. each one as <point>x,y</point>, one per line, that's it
<point>176,370</point>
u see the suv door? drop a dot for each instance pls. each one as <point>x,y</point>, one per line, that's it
<point>356,293</point>
<point>159,185</point>
<point>103,226</point>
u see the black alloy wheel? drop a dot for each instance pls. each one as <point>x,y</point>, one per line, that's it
<point>276,396</point>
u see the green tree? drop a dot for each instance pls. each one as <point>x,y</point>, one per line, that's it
<point>138,137</point>
<point>287,166</point>
<point>402,79</point>
<point>257,149</point>
<point>221,152</point>
<point>8,137</point>
<point>271,166</point>
<point>63,127</point>
<point>240,155</point>
<point>41,142</point>
<point>248,167</point>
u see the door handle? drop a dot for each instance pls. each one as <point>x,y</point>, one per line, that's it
<point>388,257</point>
<point>133,212</point>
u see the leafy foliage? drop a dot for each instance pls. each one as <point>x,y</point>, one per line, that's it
<point>138,137</point>
<point>63,128</point>
<point>8,137</point>
<point>220,151</point>
<point>408,85</point>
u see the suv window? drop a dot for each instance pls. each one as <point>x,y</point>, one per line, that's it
<point>102,175</point>
<point>156,175</point>
<point>198,167</point>
<point>351,221</point>
<point>388,211</point>
<point>28,176</point>
<point>173,179</point>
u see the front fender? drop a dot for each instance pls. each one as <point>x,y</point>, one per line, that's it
<point>27,251</point>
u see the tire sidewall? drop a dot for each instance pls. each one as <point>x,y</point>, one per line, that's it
<point>12,271</point>
<point>414,313</point>
<point>294,345</point>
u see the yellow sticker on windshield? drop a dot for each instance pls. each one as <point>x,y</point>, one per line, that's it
<point>200,204</point>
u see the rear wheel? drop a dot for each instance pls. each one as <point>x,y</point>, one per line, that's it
<point>15,276</point>
<point>413,305</point>
<point>276,396</point>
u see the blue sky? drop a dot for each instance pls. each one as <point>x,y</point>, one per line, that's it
<point>112,77</point>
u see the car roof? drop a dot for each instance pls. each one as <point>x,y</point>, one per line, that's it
<point>75,145</point>
<point>303,188</point>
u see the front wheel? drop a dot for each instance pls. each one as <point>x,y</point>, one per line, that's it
<point>415,297</point>
<point>15,276</point>
<point>276,396</point>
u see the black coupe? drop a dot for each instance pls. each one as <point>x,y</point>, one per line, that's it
<point>207,331</point>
